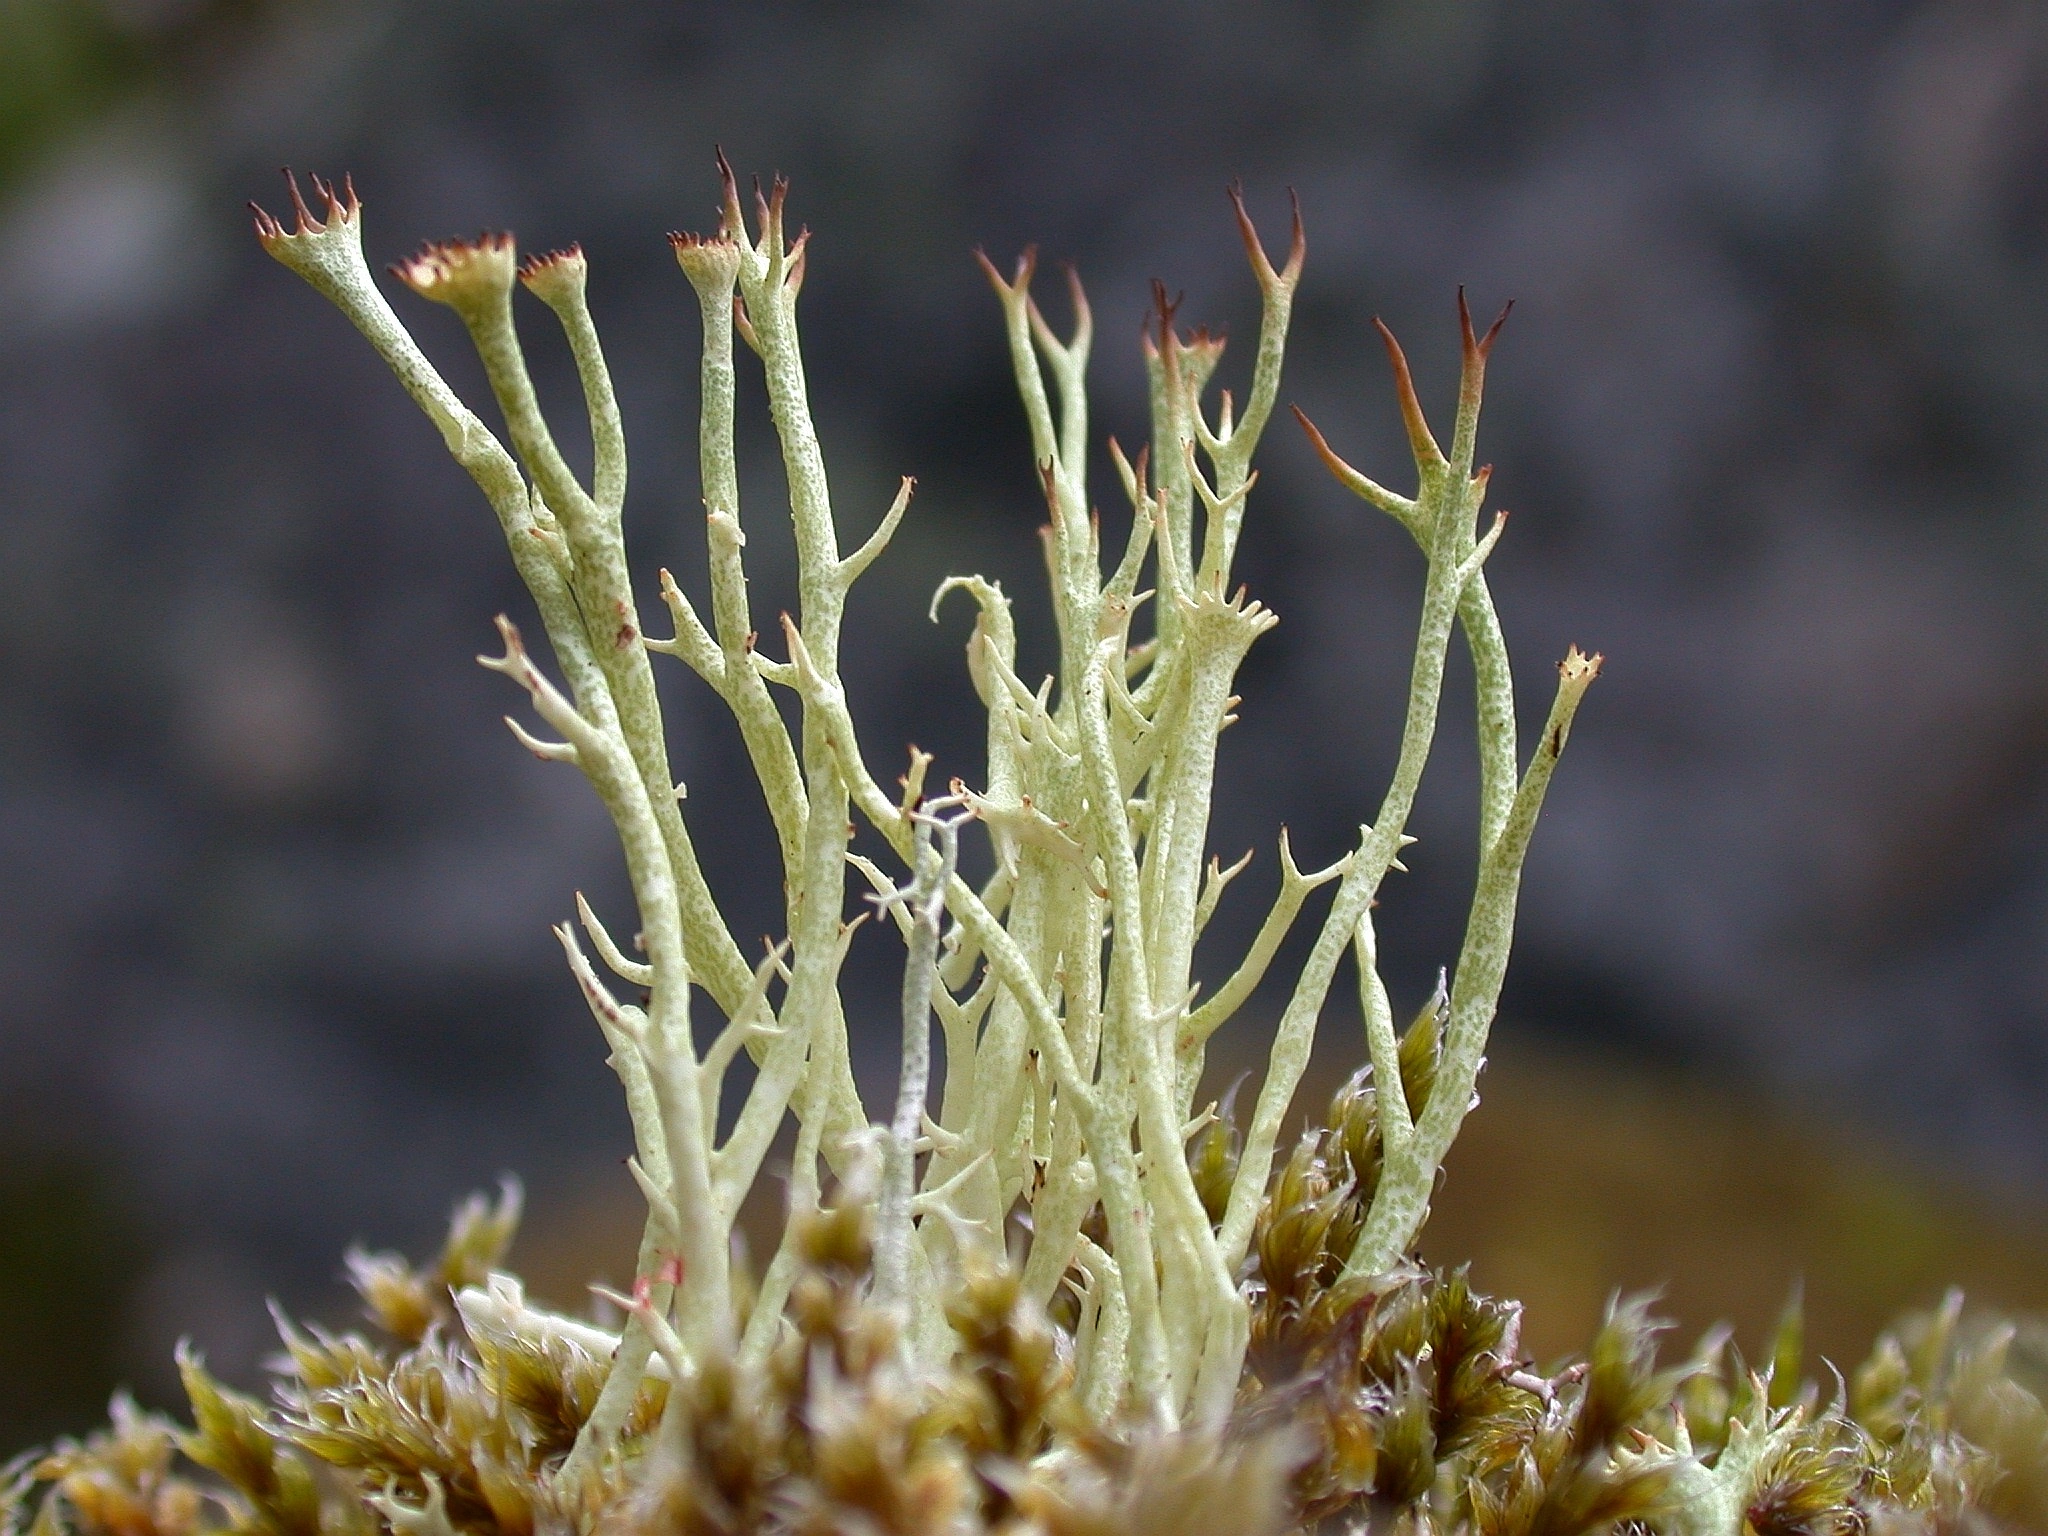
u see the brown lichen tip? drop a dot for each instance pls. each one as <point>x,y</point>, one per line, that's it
<point>794,280</point>
<point>712,259</point>
<point>459,272</point>
<point>1084,318</point>
<point>1420,440</point>
<point>732,222</point>
<point>555,274</point>
<point>1578,669</point>
<point>768,210</point>
<point>342,208</point>
<point>1297,250</point>
<point>1331,461</point>
<point>1008,290</point>
<point>681,240</point>
<point>1476,349</point>
<point>1160,317</point>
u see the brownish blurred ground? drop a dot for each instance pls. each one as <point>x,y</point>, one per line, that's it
<point>1572,1179</point>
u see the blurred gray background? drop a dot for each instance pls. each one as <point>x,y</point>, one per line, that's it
<point>1772,413</point>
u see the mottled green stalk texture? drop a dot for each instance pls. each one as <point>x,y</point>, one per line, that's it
<point>1064,1298</point>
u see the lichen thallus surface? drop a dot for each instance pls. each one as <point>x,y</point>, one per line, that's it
<point>1064,1298</point>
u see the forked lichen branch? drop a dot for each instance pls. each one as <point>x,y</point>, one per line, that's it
<point>1073,1024</point>
<point>1063,1300</point>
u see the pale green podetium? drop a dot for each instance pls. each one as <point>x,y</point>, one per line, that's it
<point>1073,1025</point>
<point>1062,1301</point>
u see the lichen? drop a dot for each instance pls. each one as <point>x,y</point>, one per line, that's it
<point>1064,1299</point>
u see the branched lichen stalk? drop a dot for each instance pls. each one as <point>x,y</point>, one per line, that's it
<point>1075,1024</point>
<point>1095,1309</point>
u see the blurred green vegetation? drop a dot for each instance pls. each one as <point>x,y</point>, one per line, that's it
<point>64,63</point>
<point>68,1266</point>
<point>69,1257</point>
